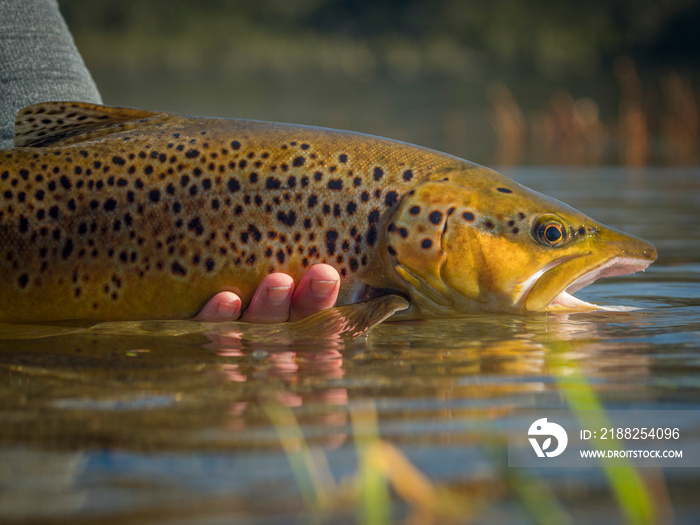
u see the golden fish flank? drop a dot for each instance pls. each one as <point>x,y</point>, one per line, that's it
<point>113,213</point>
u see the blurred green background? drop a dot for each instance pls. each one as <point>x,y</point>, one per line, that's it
<point>500,82</point>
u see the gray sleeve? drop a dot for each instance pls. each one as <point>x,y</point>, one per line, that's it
<point>38,61</point>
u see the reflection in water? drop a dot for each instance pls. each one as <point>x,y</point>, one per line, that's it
<point>166,421</point>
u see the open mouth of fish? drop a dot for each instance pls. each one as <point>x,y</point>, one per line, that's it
<point>565,299</point>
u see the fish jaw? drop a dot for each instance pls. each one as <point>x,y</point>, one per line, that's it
<point>616,253</point>
<point>565,300</point>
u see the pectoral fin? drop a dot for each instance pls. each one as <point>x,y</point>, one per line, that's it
<point>352,320</point>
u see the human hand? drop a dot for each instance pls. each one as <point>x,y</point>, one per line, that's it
<point>276,300</point>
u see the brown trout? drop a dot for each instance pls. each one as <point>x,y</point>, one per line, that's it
<point>121,214</point>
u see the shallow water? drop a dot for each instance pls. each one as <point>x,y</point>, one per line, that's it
<point>172,423</point>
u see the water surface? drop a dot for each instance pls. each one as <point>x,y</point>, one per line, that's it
<point>171,422</point>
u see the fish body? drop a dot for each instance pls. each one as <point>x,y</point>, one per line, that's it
<point>117,214</point>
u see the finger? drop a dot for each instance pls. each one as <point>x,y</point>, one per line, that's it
<point>224,306</point>
<point>271,301</point>
<point>317,290</point>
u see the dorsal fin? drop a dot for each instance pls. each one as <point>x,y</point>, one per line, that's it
<point>53,123</point>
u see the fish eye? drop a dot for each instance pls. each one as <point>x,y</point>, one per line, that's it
<point>550,232</point>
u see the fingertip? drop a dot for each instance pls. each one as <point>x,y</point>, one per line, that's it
<point>270,303</point>
<point>317,290</point>
<point>322,272</point>
<point>224,306</point>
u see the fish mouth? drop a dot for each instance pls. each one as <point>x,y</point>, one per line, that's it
<point>565,300</point>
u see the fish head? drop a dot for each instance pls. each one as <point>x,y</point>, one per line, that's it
<point>471,240</point>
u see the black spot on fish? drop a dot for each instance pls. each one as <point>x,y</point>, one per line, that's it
<point>331,238</point>
<point>65,182</point>
<point>468,216</point>
<point>23,280</point>
<point>257,236</point>
<point>209,264</point>
<point>298,161</point>
<point>287,219</point>
<point>118,160</point>
<point>154,195</point>
<point>335,184</point>
<point>343,158</point>
<point>391,198</point>
<point>351,208</point>
<point>435,217</point>
<point>272,183</point>
<point>233,185</point>
<point>391,250</point>
<point>371,235</point>
<point>192,153</point>
<point>504,190</point>
<point>373,216</point>
<point>378,173</point>
<point>407,175</point>
<point>177,269</point>
<point>195,225</point>
<point>426,243</point>
<point>489,225</point>
<point>414,210</point>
